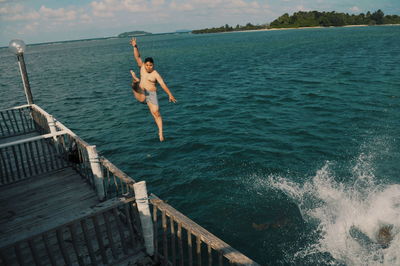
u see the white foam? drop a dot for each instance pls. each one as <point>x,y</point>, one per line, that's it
<point>359,202</point>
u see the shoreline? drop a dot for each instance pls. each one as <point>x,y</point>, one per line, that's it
<point>302,28</point>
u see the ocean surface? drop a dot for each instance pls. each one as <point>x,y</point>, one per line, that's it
<point>281,143</point>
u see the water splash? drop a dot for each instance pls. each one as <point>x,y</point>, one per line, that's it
<point>349,214</point>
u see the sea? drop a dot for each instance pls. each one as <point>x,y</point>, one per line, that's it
<point>283,143</point>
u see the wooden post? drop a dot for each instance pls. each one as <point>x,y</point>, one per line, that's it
<point>97,172</point>
<point>142,203</point>
<point>52,125</point>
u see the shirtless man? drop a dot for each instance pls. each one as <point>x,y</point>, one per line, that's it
<point>145,89</point>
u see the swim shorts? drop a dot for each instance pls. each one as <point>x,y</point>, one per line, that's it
<point>151,97</point>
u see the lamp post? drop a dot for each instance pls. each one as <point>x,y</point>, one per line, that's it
<point>18,47</point>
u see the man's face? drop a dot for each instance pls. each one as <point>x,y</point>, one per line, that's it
<point>149,66</point>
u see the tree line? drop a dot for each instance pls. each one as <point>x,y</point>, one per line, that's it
<point>313,19</point>
<point>228,28</point>
<point>327,19</point>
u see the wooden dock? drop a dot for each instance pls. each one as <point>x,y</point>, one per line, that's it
<point>45,205</point>
<point>63,204</point>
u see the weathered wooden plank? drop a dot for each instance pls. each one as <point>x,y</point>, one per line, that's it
<point>36,200</point>
<point>29,161</point>
<point>18,177</point>
<point>100,241</point>
<point>15,121</point>
<point>217,244</point>
<point>117,172</point>
<point>13,175</point>
<point>49,251</point>
<point>21,160</point>
<point>63,249</point>
<point>74,239</point>
<point>3,259</point>
<point>190,247</point>
<point>88,242</point>
<point>11,122</point>
<point>5,176</point>
<point>50,153</point>
<point>18,253</point>
<point>110,235</point>
<point>34,223</point>
<point>34,252</point>
<point>58,202</point>
<point>172,230</point>
<point>7,128</point>
<point>165,242</point>
<point>180,244</point>
<point>155,228</point>
<point>39,157</point>
<point>129,223</point>
<point>40,182</point>
<point>3,125</point>
<point>54,243</point>
<point>120,230</point>
<point>198,250</point>
<point>22,121</point>
<point>22,139</point>
<point>209,251</point>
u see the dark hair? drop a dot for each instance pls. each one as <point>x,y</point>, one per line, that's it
<point>149,59</point>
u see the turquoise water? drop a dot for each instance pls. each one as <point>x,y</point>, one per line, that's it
<point>279,143</point>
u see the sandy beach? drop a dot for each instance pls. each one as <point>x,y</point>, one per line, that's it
<point>302,28</point>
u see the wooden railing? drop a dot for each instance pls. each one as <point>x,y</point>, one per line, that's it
<point>75,148</point>
<point>116,182</point>
<point>77,155</point>
<point>29,157</point>
<point>183,242</point>
<point>16,121</point>
<point>177,239</point>
<point>106,237</point>
<point>40,119</point>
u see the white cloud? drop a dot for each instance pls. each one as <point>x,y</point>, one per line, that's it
<point>109,8</point>
<point>355,9</point>
<point>21,13</point>
<point>157,3</point>
<point>85,17</point>
<point>301,8</point>
<point>220,7</point>
<point>32,26</point>
<point>181,7</point>
<point>11,10</point>
<point>59,14</point>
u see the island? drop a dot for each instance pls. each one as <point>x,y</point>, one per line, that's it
<point>133,34</point>
<point>303,19</point>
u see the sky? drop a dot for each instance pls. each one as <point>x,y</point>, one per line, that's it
<point>36,21</point>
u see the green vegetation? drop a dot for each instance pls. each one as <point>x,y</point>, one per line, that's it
<point>327,19</point>
<point>228,28</point>
<point>314,19</point>
<point>133,34</point>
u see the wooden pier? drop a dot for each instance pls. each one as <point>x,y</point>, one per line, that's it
<point>63,204</point>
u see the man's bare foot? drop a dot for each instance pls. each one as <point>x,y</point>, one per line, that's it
<point>134,77</point>
<point>160,134</point>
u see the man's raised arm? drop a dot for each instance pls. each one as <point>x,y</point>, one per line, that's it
<point>136,52</point>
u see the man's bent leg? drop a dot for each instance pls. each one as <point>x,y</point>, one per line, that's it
<point>138,92</point>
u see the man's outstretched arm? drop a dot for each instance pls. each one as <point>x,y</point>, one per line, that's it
<point>165,88</point>
<point>136,52</point>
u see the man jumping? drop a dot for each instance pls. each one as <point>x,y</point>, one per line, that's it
<point>145,90</point>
